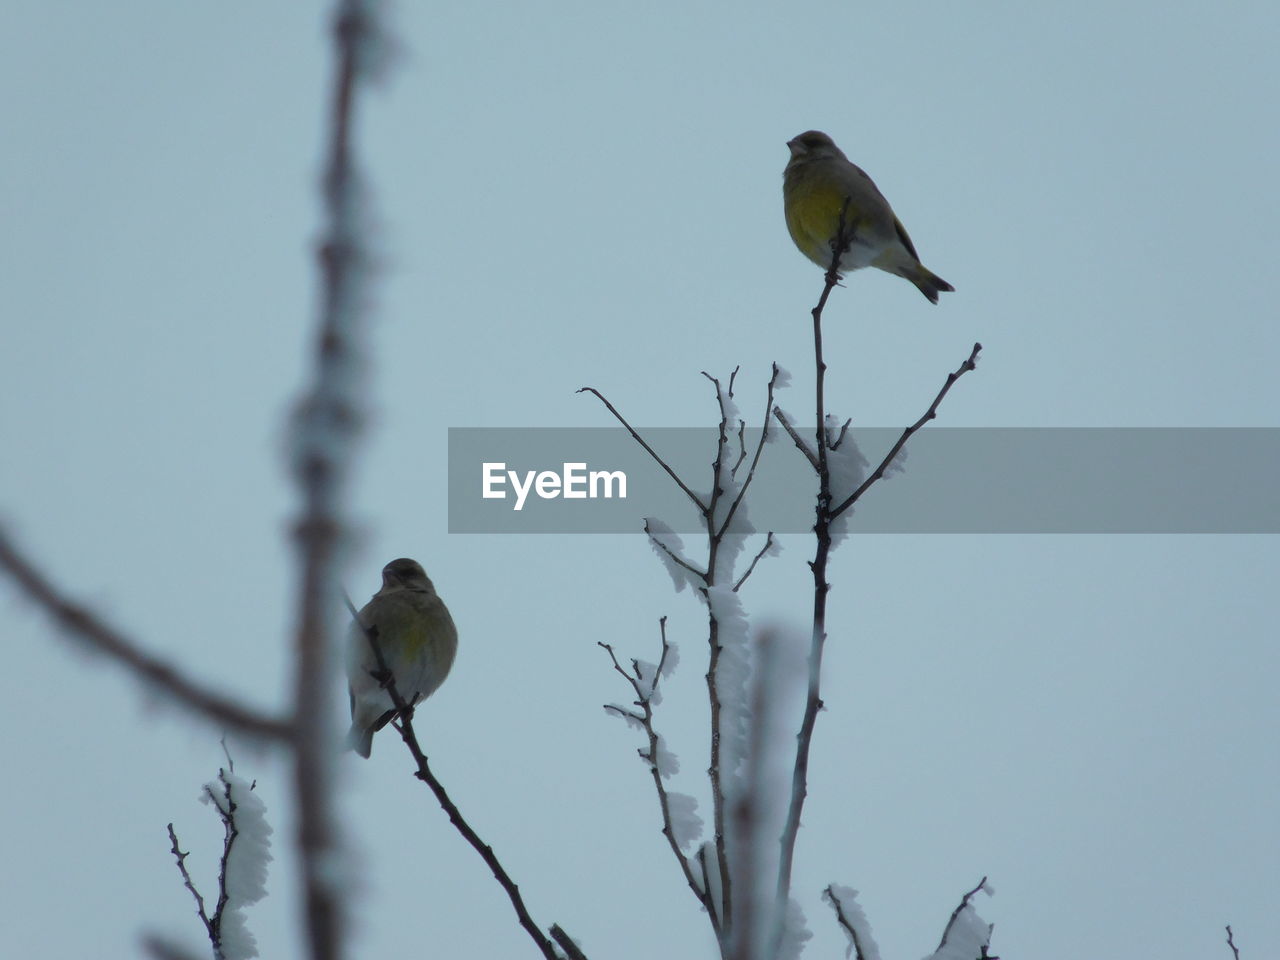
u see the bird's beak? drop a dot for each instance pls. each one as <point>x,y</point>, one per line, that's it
<point>795,147</point>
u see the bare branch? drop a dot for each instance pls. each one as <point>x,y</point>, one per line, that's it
<point>931,413</point>
<point>666,648</point>
<point>648,449</point>
<point>150,669</point>
<point>768,543</point>
<point>742,447</point>
<point>187,882</point>
<point>821,587</point>
<point>1231,943</point>
<point>796,438</point>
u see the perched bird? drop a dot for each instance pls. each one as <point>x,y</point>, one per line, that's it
<point>418,641</point>
<point>815,185</point>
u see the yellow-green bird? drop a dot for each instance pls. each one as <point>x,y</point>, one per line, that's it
<point>815,185</point>
<point>418,642</point>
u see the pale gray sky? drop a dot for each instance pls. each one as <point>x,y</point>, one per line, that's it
<point>589,193</point>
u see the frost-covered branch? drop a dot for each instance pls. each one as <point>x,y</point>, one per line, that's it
<point>403,724</point>
<point>157,674</point>
<point>643,680</point>
<point>853,921</point>
<point>657,537</point>
<point>571,949</point>
<point>777,378</point>
<point>725,526</point>
<point>967,936</point>
<point>242,869</point>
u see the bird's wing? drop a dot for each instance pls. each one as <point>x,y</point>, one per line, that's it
<point>906,241</point>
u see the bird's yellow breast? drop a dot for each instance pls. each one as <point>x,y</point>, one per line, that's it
<point>813,209</point>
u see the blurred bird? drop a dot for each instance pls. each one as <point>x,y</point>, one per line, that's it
<point>815,185</point>
<point>418,642</point>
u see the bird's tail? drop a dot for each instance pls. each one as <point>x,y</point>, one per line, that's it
<point>360,739</point>
<point>928,283</point>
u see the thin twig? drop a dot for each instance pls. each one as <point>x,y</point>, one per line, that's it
<point>91,630</point>
<point>840,245</point>
<point>648,449</point>
<point>742,447</point>
<point>1231,943</point>
<point>755,460</point>
<point>666,649</point>
<point>717,465</point>
<point>768,543</point>
<point>844,429</point>
<point>644,700</point>
<point>187,882</point>
<point>929,414</point>
<point>796,438</point>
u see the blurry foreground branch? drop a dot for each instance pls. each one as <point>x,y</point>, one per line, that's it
<point>157,674</point>
<point>322,444</point>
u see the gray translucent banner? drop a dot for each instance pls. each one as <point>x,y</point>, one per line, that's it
<point>954,480</point>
